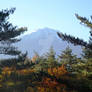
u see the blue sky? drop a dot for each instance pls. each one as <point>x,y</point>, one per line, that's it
<point>55,14</point>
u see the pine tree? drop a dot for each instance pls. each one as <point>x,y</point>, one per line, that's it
<point>67,58</point>
<point>87,46</point>
<point>51,57</point>
<point>87,53</point>
<point>78,41</point>
<point>9,33</point>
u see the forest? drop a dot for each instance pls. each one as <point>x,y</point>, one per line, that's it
<point>65,73</point>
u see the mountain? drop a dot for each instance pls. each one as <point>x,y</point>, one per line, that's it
<point>41,41</point>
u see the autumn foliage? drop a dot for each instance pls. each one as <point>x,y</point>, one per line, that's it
<point>51,85</point>
<point>25,71</point>
<point>57,71</point>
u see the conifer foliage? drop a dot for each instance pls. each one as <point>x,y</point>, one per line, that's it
<point>67,57</point>
<point>78,41</point>
<point>51,60</point>
<point>9,33</point>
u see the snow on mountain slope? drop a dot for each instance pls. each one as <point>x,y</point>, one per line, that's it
<point>41,41</point>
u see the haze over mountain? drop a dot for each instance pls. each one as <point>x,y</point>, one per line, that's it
<point>41,41</point>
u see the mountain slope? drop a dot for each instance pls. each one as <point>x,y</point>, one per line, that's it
<point>41,41</point>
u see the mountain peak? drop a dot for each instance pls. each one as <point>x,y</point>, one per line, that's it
<point>41,41</point>
<point>46,30</point>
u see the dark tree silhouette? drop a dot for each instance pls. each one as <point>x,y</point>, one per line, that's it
<point>78,41</point>
<point>9,33</point>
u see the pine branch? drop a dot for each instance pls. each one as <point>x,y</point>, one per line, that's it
<point>9,33</point>
<point>72,39</point>
<point>85,21</point>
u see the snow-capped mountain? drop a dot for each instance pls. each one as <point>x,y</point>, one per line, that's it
<point>41,41</point>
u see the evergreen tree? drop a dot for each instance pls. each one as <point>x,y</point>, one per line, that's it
<point>51,57</point>
<point>77,41</point>
<point>87,46</point>
<point>67,58</point>
<point>9,33</point>
<point>87,53</point>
